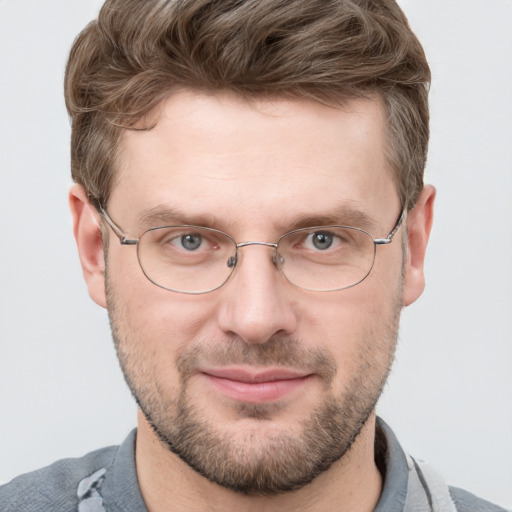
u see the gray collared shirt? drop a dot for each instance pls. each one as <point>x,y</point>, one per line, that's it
<point>106,480</point>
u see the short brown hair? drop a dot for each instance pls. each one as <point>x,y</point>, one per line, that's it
<point>138,51</point>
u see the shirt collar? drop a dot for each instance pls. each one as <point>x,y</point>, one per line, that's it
<point>394,489</point>
<point>121,489</point>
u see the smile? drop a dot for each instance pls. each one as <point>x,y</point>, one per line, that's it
<point>255,387</point>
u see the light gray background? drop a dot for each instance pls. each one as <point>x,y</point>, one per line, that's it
<point>449,398</point>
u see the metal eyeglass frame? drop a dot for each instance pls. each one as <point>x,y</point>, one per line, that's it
<point>125,240</point>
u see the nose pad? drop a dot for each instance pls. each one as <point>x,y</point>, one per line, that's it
<point>232,261</point>
<point>277,259</point>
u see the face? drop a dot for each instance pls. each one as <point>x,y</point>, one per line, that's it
<point>259,385</point>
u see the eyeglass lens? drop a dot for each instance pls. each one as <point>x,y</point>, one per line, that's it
<point>197,260</point>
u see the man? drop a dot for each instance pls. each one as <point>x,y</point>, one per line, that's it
<point>249,206</point>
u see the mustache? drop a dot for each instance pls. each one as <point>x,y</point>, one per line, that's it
<point>282,351</point>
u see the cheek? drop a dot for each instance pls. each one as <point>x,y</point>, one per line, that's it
<point>152,322</point>
<point>167,321</point>
<point>358,328</point>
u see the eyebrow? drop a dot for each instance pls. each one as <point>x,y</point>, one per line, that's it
<point>342,215</point>
<point>167,215</point>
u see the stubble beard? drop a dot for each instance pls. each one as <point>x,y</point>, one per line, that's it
<point>262,461</point>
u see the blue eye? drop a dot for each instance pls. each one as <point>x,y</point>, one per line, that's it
<point>191,242</point>
<point>322,240</point>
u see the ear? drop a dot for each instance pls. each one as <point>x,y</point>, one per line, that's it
<point>87,230</point>
<point>419,224</point>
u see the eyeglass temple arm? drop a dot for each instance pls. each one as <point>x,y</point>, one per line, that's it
<point>389,238</point>
<point>117,230</point>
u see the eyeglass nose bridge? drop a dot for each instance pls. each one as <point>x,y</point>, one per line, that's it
<point>277,262</point>
<point>245,244</point>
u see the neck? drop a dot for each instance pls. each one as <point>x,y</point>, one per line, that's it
<point>352,484</point>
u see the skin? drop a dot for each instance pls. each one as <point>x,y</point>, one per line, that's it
<point>255,169</point>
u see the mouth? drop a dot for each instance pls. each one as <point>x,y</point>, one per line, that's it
<point>255,386</point>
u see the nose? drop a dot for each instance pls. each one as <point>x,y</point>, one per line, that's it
<point>257,302</point>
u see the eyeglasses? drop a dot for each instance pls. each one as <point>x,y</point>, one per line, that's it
<point>196,259</point>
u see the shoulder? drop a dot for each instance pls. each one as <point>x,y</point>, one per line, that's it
<point>53,488</point>
<point>467,502</point>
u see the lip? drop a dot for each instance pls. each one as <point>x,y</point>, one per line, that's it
<point>255,386</point>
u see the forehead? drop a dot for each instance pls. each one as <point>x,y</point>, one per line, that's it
<point>249,160</point>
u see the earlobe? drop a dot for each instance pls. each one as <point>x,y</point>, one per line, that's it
<point>87,231</point>
<point>419,224</point>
